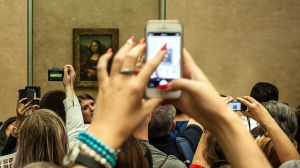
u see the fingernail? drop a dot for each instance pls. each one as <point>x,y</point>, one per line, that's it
<point>109,51</point>
<point>164,47</point>
<point>136,71</point>
<point>164,103</point>
<point>163,87</point>
<point>131,40</point>
<point>142,41</point>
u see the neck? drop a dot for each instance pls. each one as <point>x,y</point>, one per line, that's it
<point>141,133</point>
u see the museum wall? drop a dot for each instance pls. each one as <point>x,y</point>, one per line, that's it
<point>13,57</point>
<point>55,19</point>
<point>238,43</point>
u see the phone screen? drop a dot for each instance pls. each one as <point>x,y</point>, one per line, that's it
<point>169,68</point>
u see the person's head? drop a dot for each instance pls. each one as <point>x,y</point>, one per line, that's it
<point>87,104</point>
<point>264,91</point>
<point>95,46</point>
<point>42,137</point>
<point>213,153</point>
<point>134,155</point>
<point>5,130</point>
<point>162,121</point>
<point>284,116</point>
<point>297,137</point>
<point>41,164</point>
<point>53,100</point>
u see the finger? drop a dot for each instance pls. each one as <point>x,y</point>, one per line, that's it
<point>66,71</point>
<point>183,84</point>
<point>35,106</point>
<point>28,104</point>
<point>22,100</point>
<point>132,56</point>
<point>150,66</point>
<point>37,98</point>
<point>246,113</point>
<point>151,105</point>
<point>244,101</point>
<point>228,99</point>
<point>70,69</point>
<point>102,73</point>
<point>120,56</point>
<point>26,109</point>
<point>250,99</point>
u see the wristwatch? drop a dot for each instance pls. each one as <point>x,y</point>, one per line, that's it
<point>76,157</point>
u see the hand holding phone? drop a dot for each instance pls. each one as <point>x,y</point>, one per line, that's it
<point>167,33</point>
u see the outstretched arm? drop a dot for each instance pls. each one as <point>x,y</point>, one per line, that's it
<point>284,147</point>
<point>74,118</point>
<point>202,102</point>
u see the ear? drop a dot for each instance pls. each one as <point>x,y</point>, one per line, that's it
<point>148,118</point>
<point>173,125</point>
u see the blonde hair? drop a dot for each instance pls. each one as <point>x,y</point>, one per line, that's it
<point>42,137</point>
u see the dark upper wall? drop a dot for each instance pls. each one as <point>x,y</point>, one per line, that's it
<point>240,42</point>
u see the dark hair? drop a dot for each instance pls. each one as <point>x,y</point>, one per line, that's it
<point>53,100</point>
<point>264,91</point>
<point>133,155</point>
<point>3,137</point>
<point>297,137</point>
<point>85,96</point>
<point>162,121</point>
<point>213,153</point>
<point>284,116</point>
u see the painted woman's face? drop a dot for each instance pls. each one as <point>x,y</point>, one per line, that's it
<point>94,47</point>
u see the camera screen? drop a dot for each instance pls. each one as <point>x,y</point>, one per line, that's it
<point>169,68</point>
<point>55,74</point>
<point>235,106</point>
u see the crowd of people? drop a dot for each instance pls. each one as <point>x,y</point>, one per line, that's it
<point>122,128</point>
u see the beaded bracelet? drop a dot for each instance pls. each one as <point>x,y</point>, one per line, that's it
<point>109,154</point>
<point>93,154</point>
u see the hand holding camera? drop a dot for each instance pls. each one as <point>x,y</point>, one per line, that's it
<point>68,79</point>
<point>255,110</point>
<point>22,108</point>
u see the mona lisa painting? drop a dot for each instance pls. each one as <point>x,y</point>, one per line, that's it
<point>88,46</point>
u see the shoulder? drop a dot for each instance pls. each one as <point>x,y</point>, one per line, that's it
<point>162,159</point>
<point>291,164</point>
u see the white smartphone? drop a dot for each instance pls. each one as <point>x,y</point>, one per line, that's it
<point>158,33</point>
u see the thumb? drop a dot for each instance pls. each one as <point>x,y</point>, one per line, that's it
<point>66,71</point>
<point>183,84</point>
<point>152,104</point>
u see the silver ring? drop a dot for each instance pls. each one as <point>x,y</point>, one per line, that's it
<point>126,71</point>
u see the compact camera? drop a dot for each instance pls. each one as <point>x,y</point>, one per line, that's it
<point>55,74</point>
<point>30,92</point>
<point>236,105</point>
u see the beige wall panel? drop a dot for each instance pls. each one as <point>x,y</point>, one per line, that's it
<point>55,19</point>
<point>240,42</point>
<point>13,58</point>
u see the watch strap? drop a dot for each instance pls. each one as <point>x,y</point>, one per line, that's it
<point>87,161</point>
